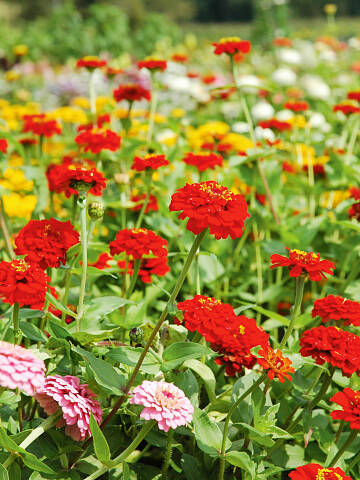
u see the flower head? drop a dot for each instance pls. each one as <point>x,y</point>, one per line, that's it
<point>349,400</point>
<point>97,140</point>
<point>209,204</point>
<point>275,124</point>
<point>20,368</point>
<point>23,283</point>
<point>152,63</point>
<point>75,400</point>
<point>150,161</point>
<point>314,471</point>
<point>131,92</point>
<point>301,261</point>
<point>346,108</point>
<point>139,200</point>
<point>45,242</point>
<point>3,145</point>
<point>231,45</point>
<point>355,95</point>
<point>297,106</point>
<point>333,345</point>
<point>277,365</point>
<point>163,402</point>
<point>337,308</point>
<point>203,161</point>
<point>39,124</point>
<point>158,266</point>
<point>138,242</point>
<point>90,62</point>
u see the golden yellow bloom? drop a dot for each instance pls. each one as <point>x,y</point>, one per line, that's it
<point>12,75</point>
<point>21,206</point>
<point>102,102</point>
<point>20,50</point>
<point>15,160</point>
<point>330,8</point>
<point>14,179</point>
<point>81,102</point>
<point>206,133</point>
<point>53,148</point>
<point>333,198</point>
<point>178,113</point>
<point>69,115</point>
<point>237,141</point>
<point>298,121</point>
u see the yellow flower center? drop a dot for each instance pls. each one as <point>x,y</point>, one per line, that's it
<point>303,255</point>
<point>19,265</point>
<point>327,474</point>
<point>230,39</point>
<point>209,303</point>
<point>138,230</point>
<point>215,192</point>
<point>165,398</point>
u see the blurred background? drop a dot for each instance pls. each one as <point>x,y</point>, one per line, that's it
<point>62,29</point>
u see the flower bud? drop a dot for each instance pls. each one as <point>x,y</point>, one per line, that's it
<point>96,210</point>
<point>136,336</point>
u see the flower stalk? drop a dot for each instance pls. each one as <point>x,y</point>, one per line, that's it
<point>15,321</point>
<point>148,178</point>
<point>80,307</point>
<point>299,293</point>
<point>167,456</point>
<point>349,441</point>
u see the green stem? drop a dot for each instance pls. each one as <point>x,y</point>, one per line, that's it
<point>80,307</point>
<point>300,282</point>
<point>15,320</point>
<point>137,264</point>
<point>5,232</point>
<point>153,103</point>
<point>73,210</point>
<point>227,421</point>
<point>92,94</point>
<point>351,144</point>
<point>148,178</point>
<point>354,462</point>
<point>347,444</point>
<point>167,456</point>
<point>340,429</point>
<point>258,264</point>
<point>124,455</point>
<point>67,285</point>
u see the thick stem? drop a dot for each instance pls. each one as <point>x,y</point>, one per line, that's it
<point>347,444</point>
<point>137,264</point>
<point>5,232</point>
<point>300,282</point>
<point>73,210</point>
<point>15,320</point>
<point>80,307</point>
<point>148,178</point>
<point>228,418</point>
<point>167,456</point>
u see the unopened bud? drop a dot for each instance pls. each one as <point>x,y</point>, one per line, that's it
<point>96,210</point>
<point>136,336</point>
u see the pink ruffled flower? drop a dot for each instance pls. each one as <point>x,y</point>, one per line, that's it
<point>163,402</point>
<point>76,401</point>
<point>20,368</point>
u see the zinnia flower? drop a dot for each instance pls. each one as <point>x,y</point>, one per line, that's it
<point>277,365</point>
<point>334,345</point>
<point>75,400</point>
<point>131,92</point>
<point>231,45</point>
<point>20,368</point>
<point>300,261</point>
<point>163,402</point>
<point>153,266</point>
<point>152,64</point>
<point>275,124</point>
<point>346,108</point>
<point>209,204</point>
<point>139,200</point>
<point>102,261</point>
<point>45,242</point>
<point>355,95</point>
<point>90,62</point>
<point>23,283</point>
<point>349,400</point>
<point>203,161</point>
<point>337,308</point>
<point>138,242</point>
<point>39,124</point>
<point>314,471</point>
<point>297,106</point>
<point>97,140</point>
<point>3,145</point>
<point>150,161</point>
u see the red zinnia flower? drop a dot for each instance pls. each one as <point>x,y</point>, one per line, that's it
<point>355,193</point>
<point>102,261</point>
<point>314,471</point>
<point>153,266</point>
<point>354,211</point>
<point>333,345</point>
<point>179,57</point>
<point>346,108</point>
<point>28,141</point>
<point>152,64</point>
<point>90,62</point>
<point>276,364</point>
<point>138,242</point>
<point>208,79</point>
<point>97,140</point>
<point>149,161</point>
<point>349,400</point>
<point>354,95</point>
<point>300,261</point>
<point>275,124</point>
<point>111,72</point>
<point>38,124</point>
<point>152,204</point>
<point>3,145</point>
<point>297,106</point>
<point>337,308</point>
<point>131,92</point>
<point>231,45</point>
<point>209,204</point>
<point>203,161</point>
<point>23,283</point>
<point>45,242</point>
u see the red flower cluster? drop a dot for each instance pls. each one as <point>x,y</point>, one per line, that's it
<point>149,161</point>
<point>91,62</point>
<point>39,124</point>
<point>151,206</point>
<point>275,124</point>
<point>314,471</point>
<point>131,92</point>
<point>346,108</point>
<point>100,121</point>
<point>23,283</point>
<point>276,364</point>
<point>203,161</point>
<point>354,211</point>
<point>97,140</point>
<point>338,347</point>
<point>355,95</point>
<point>45,242</point>
<point>296,106</point>
<point>138,242</point>
<point>209,204</point>
<point>231,45</point>
<point>152,64</point>
<point>3,145</point>
<point>337,308</point>
<point>349,400</point>
<point>102,261</point>
<point>300,261</point>
<point>153,266</point>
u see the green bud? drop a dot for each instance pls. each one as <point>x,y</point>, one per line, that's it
<point>96,210</point>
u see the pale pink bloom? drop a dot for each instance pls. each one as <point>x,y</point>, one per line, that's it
<point>20,368</point>
<point>163,402</point>
<point>75,400</point>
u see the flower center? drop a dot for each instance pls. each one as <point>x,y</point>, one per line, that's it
<point>230,39</point>
<point>19,265</point>
<point>216,191</point>
<point>327,474</point>
<point>166,399</point>
<point>306,257</point>
<point>209,303</point>
<point>138,230</point>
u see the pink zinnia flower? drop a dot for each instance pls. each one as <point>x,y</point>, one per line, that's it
<point>163,402</point>
<point>20,368</point>
<point>76,401</point>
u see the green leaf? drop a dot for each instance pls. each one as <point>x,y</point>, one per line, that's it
<point>130,356</point>
<point>349,224</point>
<point>33,332</point>
<point>34,463</point>
<point>101,447</point>
<point>57,331</point>
<point>256,435</point>
<point>99,307</point>
<point>208,434</point>
<point>267,313</point>
<point>177,353</point>
<point>206,375</point>
<point>95,336</point>
<point>59,305</point>
<point>3,473</point>
<point>242,460</point>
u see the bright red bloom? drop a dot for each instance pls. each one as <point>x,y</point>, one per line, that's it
<point>153,266</point>
<point>334,345</point>
<point>349,400</point>
<point>355,193</point>
<point>354,211</point>
<point>100,121</point>
<point>23,283</point>
<point>3,145</point>
<point>151,206</point>
<point>138,242</point>
<point>275,124</point>
<point>179,57</point>
<point>209,204</point>
<point>28,141</point>
<point>131,92</point>
<point>346,108</point>
<point>318,169</point>
<point>354,95</point>
<point>111,72</point>
<point>276,364</point>
<point>300,261</point>
<point>45,242</point>
<point>208,79</point>
<point>96,140</point>
<point>149,161</point>
<point>282,42</point>
<point>203,161</point>
<point>102,261</point>
<point>288,167</point>
<point>297,106</point>
<point>283,308</point>
<point>152,64</point>
<point>90,62</point>
<point>314,471</point>
<point>231,45</point>
<point>39,124</point>
<point>337,308</point>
